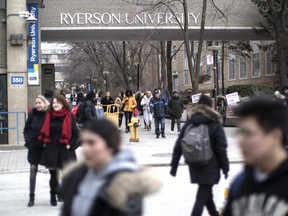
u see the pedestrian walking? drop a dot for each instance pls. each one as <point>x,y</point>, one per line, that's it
<point>203,144</point>
<point>175,110</point>
<point>145,103</point>
<point>261,189</point>
<point>109,182</point>
<point>121,112</point>
<point>107,100</point>
<point>129,103</point>
<point>138,98</point>
<point>59,135</point>
<point>86,110</point>
<point>35,150</point>
<point>157,108</point>
<point>221,104</point>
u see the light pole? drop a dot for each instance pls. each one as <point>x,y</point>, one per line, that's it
<point>106,73</point>
<point>215,50</point>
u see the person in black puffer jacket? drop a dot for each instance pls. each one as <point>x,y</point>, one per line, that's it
<point>87,110</point>
<point>35,150</point>
<point>207,175</point>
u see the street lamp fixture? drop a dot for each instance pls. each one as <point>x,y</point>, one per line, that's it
<point>215,50</point>
<point>106,73</point>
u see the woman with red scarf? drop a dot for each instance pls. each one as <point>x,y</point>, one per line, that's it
<point>59,135</point>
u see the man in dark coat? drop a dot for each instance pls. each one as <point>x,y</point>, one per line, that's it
<point>107,100</point>
<point>207,175</point>
<point>157,109</point>
<point>175,110</point>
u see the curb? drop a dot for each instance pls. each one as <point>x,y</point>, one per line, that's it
<point>45,171</point>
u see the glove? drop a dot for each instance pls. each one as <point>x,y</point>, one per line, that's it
<point>226,175</point>
<point>173,172</point>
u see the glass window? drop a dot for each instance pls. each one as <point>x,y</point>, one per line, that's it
<point>256,65</point>
<point>232,69</point>
<point>186,78</point>
<point>175,83</point>
<point>271,66</point>
<point>243,67</point>
<point>174,52</point>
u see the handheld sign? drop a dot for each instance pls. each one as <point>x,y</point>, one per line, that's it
<point>233,98</point>
<point>196,97</point>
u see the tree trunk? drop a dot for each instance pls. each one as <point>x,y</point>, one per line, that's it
<point>169,67</point>
<point>200,47</point>
<point>187,46</point>
<point>126,78</point>
<point>163,66</point>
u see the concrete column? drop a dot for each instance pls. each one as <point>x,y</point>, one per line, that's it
<point>16,67</point>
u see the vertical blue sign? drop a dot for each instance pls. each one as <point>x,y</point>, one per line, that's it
<point>33,48</point>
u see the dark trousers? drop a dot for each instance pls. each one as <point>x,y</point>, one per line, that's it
<point>204,198</point>
<point>178,120</point>
<point>159,121</point>
<point>33,174</point>
<point>120,119</point>
<point>128,116</point>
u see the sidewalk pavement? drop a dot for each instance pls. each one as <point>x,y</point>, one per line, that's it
<point>149,151</point>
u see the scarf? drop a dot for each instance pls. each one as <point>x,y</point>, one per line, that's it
<point>66,133</point>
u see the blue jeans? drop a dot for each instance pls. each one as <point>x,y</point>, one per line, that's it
<point>158,121</point>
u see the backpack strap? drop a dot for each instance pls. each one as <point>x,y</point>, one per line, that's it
<point>235,189</point>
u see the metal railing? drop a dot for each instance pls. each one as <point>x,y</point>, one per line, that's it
<point>17,128</point>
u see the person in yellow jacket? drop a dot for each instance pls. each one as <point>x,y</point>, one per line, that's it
<point>129,103</point>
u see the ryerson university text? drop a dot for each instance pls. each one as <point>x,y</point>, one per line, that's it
<point>126,18</point>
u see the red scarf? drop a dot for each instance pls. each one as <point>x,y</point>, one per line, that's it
<point>66,127</point>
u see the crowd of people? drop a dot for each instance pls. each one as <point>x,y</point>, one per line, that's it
<point>109,181</point>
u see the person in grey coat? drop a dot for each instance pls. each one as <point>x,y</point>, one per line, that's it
<point>205,176</point>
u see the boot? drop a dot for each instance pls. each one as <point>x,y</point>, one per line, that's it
<point>53,187</point>
<point>31,200</point>
<point>53,199</point>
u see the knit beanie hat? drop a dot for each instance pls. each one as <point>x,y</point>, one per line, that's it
<point>107,130</point>
<point>157,91</point>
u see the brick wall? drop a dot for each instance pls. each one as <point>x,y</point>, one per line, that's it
<point>264,79</point>
<point>3,42</point>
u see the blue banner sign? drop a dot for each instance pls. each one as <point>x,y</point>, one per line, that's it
<point>33,48</point>
<point>17,80</point>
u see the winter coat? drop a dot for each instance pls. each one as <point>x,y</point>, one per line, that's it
<point>56,155</point>
<point>175,107</point>
<point>251,196</point>
<point>121,193</point>
<point>208,174</point>
<point>119,102</point>
<point>31,132</point>
<point>157,107</point>
<point>129,104</point>
<point>106,101</point>
<point>145,103</point>
<point>88,111</point>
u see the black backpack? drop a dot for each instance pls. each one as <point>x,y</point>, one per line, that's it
<point>196,146</point>
<point>80,113</point>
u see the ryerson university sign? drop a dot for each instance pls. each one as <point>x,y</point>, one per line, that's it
<point>126,19</point>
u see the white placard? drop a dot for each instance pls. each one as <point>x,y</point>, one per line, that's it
<point>233,98</point>
<point>210,59</point>
<point>196,97</point>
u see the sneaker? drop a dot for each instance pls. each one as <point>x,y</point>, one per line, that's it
<point>157,137</point>
<point>172,132</point>
<point>126,131</point>
<point>163,136</point>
